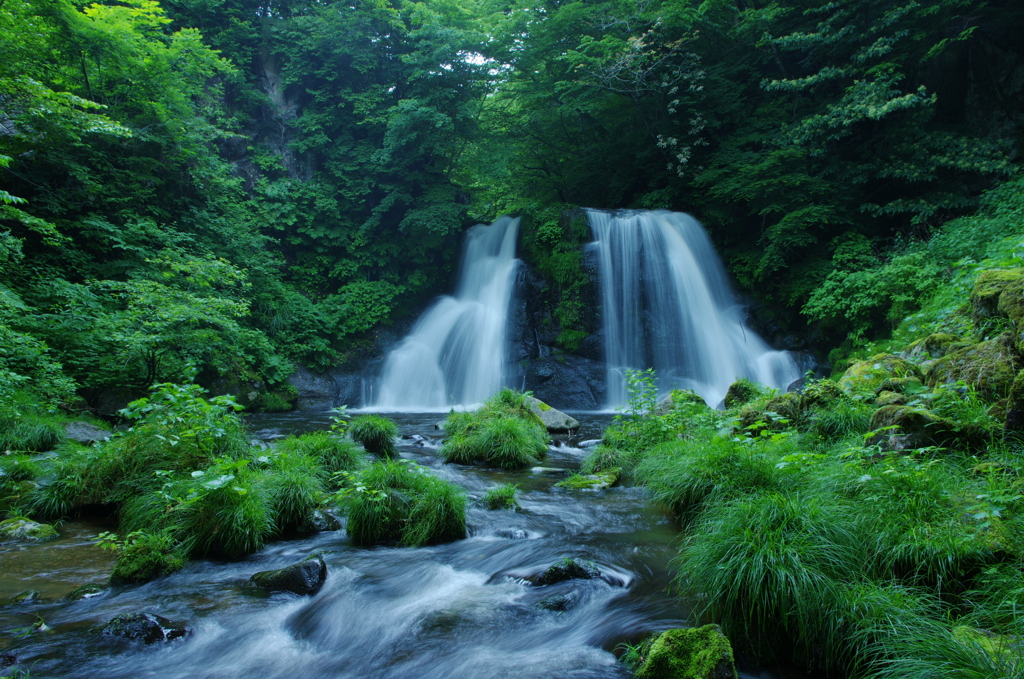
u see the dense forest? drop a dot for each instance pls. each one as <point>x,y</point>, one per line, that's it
<point>242,186</point>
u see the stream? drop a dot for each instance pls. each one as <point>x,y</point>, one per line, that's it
<point>458,610</point>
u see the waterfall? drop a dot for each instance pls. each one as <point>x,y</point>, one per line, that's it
<point>667,304</point>
<point>456,353</point>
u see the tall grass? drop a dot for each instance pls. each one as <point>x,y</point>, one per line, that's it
<point>376,433</point>
<point>499,439</point>
<point>335,454</point>
<point>295,484</point>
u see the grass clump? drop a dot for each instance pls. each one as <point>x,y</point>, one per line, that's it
<point>501,497</point>
<point>397,501</point>
<point>334,453</point>
<point>503,433</point>
<point>145,557</point>
<point>376,434</point>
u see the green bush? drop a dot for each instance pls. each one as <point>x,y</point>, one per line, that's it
<point>395,501</point>
<point>501,497</point>
<point>295,484</point>
<point>504,432</point>
<point>376,433</point>
<point>840,419</point>
<point>335,454</point>
<point>145,557</point>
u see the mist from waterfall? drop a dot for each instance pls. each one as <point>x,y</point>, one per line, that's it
<point>667,304</point>
<point>456,354</point>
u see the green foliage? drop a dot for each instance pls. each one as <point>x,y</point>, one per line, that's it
<point>397,501</point>
<point>296,484</point>
<point>377,434</point>
<point>333,453</point>
<point>504,432</point>
<point>143,557</point>
<point>501,497</point>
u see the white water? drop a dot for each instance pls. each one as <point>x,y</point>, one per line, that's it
<point>668,305</point>
<point>456,353</point>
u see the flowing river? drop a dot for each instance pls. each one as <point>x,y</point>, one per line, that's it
<point>459,610</point>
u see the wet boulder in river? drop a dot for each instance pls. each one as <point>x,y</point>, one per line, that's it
<point>305,577</point>
<point>567,569</point>
<point>696,653</point>
<point>145,627</point>
<point>26,530</point>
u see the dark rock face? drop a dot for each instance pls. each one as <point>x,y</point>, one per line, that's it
<point>567,382</point>
<point>146,627</point>
<point>305,577</point>
<point>323,391</point>
<point>567,569</point>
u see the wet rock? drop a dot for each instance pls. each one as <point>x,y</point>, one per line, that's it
<point>145,627</point>
<point>24,530</point>
<point>7,660</point>
<point>740,392</point>
<point>85,433</point>
<point>870,374</point>
<point>604,479</point>
<point>567,569</point>
<point>549,471</point>
<point>316,391</point>
<point>512,534</point>
<point>695,653</point>
<point>556,421</point>
<point>305,577</point>
<point>573,382</point>
<point>318,521</point>
<point>89,591</point>
<point>27,597</point>
<point>558,603</point>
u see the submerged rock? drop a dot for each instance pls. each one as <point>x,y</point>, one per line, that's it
<point>145,627</point>
<point>567,569</point>
<point>556,421</point>
<point>89,591</point>
<point>559,602</point>
<point>695,653</point>
<point>26,530</point>
<point>305,577</point>
<point>599,481</point>
<point>27,597</point>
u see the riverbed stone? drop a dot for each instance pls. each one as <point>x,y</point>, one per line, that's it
<point>305,577</point>
<point>555,421</point>
<point>85,433</point>
<point>30,596</point>
<point>603,479</point>
<point>25,530</point>
<point>567,569</point>
<point>693,653</point>
<point>146,627</point>
<point>89,591</point>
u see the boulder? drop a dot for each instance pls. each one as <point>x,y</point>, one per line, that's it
<point>870,374</point>
<point>907,427</point>
<point>556,421</point>
<point>573,382</point>
<point>315,391</point>
<point>989,367</point>
<point>821,393</point>
<point>678,398</point>
<point>901,385</point>
<point>741,391</point>
<point>989,288</point>
<point>695,653</point>
<point>604,479</point>
<point>567,569</point>
<point>936,345</point>
<point>305,577</point>
<point>558,603</point>
<point>890,398</point>
<point>145,627</point>
<point>1015,406</point>
<point>318,521</point>
<point>27,597</point>
<point>26,530</point>
<point>85,433</point>
<point>778,412</point>
<point>89,591</point>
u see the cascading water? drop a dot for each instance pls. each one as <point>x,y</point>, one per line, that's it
<point>668,305</point>
<point>456,353</point>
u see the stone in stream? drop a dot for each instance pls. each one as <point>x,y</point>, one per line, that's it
<point>567,569</point>
<point>89,591</point>
<point>7,660</point>
<point>145,627</point>
<point>556,421</point>
<point>318,521</point>
<point>603,479</point>
<point>27,597</point>
<point>558,603</point>
<point>695,653</point>
<point>305,577</point>
<point>26,530</point>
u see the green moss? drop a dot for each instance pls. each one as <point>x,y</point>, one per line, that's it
<point>696,653</point>
<point>989,287</point>
<point>20,528</point>
<point>935,345</point>
<point>868,376</point>
<point>543,406</point>
<point>147,557</point>
<point>605,479</point>
<point>742,391</point>
<point>987,367</point>
<point>501,497</point>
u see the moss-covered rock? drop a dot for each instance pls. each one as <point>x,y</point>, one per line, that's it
<point>555,421</point>
<point>821,393</point>
<point>147,558</point>
<point>604,479</point>
<point>741,391</point>
<point>21,529</point>
<point>988,289</point>
<point>902,385</point>
<point>933,346</point>
<point>890,398</point>
<point>903,427</point>
<point>870,374</point>
<point>679,398</point>
<point>989,367</point>
<point>305,577</point>
<point>30,596</point>
<point>695,653</point>
<point>777,413</point>
<point>1015,406</point>
<point>89,591</point>
<point>567,569</point>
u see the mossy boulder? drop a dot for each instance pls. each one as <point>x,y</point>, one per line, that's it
<point>870,374</point>
<point>305,577</point>
<point>890,398</point>
<point>821,393</point>
<point>679,398</point>
<point>145,627</point>
<point>148,558</point>
<point>1015,405</point>
<point>25,530</point>
<point>777,413</point>
<point>30,596</point>
<point>89,591</point>
<point>906,427</point>
<point>989,288</point>
<point>555,421</point>
<point>604,479</point>
<point>695,653</point>
<point>936,345</point>
<point>989,367</point>
<point>740,392</point>
<point>567,569</point>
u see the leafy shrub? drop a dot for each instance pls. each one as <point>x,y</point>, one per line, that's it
<point>376,433</point>
<point>501,497</point>
<point>145,557</point>
<point>399,501</point>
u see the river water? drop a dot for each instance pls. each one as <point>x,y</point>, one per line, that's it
<point>457,610</point>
